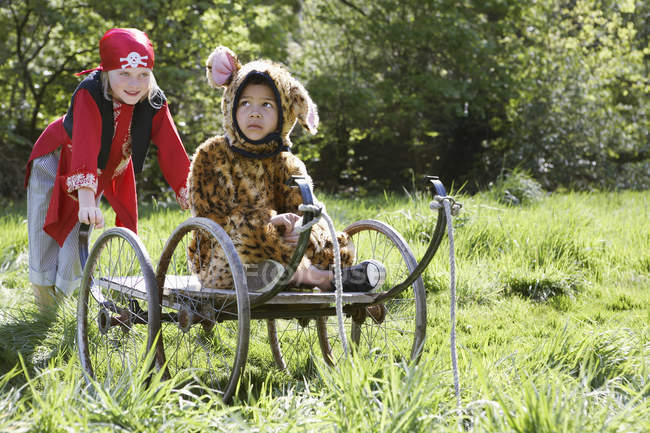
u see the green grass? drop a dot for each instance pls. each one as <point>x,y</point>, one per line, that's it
<point>553,334</point>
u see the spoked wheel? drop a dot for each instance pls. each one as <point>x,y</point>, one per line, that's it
<point>116,324</point>
<point>205,331</point>
<point>394,328</point>
<point>294,343</point>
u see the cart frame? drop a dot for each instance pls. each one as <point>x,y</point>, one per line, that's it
<point>111,321</point>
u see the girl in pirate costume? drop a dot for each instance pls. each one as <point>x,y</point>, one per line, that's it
<point>240,180</point>
<point>95,150</point>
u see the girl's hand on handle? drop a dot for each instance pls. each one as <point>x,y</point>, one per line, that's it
<point>285,222</point>
<point>89,213</point>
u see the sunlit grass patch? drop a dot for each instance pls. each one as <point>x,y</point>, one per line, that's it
<point>13,250</point>
<point>388,397</point>
<point>551,326</point>
<point>548,403</point>
<point>571,382</point>
<point>597,357</point>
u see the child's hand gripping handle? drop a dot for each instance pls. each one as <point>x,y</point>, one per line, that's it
<point>89,212</point>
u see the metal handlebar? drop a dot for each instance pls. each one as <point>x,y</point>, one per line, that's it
<point>309,214</point>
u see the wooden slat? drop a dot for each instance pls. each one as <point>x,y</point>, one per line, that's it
<point>178,284</point>
<point>190,286</point>
<point>130,286</point>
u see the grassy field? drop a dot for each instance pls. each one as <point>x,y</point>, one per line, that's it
<point>553,327</point>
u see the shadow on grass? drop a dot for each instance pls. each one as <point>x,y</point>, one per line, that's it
<point>543,287</point>
<point>38,338</point>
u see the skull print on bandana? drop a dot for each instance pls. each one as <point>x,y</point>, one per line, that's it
<point>134,60</point>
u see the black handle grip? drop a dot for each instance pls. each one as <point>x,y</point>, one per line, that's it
<point>84,234</point>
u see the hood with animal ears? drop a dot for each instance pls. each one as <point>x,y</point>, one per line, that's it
<point>223,69</point>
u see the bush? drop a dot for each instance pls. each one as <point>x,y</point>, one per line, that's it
<point>579,118</point>
<point>516,187</point>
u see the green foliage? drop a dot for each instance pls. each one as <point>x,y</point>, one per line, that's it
<point>462,89</point>
<point>404,87</point>
<point>579,116</point>
<point>516,187</point>
<point>466,89</point>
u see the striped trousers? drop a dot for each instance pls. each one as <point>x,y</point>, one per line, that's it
<point>49,264</point>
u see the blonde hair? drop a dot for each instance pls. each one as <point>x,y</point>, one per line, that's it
<point>152,95</point>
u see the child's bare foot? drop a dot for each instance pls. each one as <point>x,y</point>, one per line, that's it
<point>45,298</point>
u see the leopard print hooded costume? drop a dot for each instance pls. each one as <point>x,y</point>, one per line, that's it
<point>241,184</point>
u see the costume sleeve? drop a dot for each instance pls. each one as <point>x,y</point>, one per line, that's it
<point>172,157</point>
<point>86,142</point>
<point>205,193</point>
<point>287,194</point>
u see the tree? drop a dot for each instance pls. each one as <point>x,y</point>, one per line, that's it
<point>459,88</point>
<point>405,88</point>
<point>466,89</point>
<point>580,115</point>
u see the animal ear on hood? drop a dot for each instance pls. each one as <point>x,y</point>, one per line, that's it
<point>220,67</point>
<point>304,108</point>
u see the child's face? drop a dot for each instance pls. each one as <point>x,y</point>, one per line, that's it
<point>129,85</point>
<point>257,113</point>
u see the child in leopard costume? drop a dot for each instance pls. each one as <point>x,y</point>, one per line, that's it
<point>241,179</point>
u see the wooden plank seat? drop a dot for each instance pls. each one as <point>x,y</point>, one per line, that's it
<point>177,286</point>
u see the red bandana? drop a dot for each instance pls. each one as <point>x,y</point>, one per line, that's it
<point>124,48</point>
